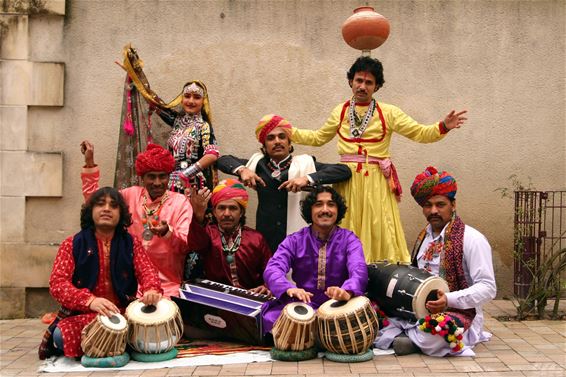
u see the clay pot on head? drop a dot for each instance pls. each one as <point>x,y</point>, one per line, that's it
<point>366,29</point>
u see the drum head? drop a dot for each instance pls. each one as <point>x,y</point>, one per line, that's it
<point>333,307</point>
<point>138,312</point>
<point>299,312</point>
<point>427,292</point>
<point>117,322</point>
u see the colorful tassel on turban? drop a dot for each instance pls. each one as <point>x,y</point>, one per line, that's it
<point>230,189</point>
<point>432,182</point>
<point>155,158</point>
<point>270,122</point>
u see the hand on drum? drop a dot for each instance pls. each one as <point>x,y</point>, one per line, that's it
<point>151,297</point>
<point>337,293</point>
<point>300,293</point>
<point>439,305</point>
<point>262,290</point>
<point>103,306</point>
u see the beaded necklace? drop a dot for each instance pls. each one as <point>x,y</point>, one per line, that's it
<point>151,216</point>
<point>357,126</point>
<point>276,168</point>
<point>230,250</point>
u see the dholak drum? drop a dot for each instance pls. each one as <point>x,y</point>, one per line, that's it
<point>154,328</point>
<point>293,330</point>
<point>347,327</point>
<point>402,290</point>
<point>105,336</point>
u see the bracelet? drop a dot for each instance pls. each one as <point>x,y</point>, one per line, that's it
<point>192,170</point>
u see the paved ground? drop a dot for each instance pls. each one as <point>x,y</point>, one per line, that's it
<point>529,348</point>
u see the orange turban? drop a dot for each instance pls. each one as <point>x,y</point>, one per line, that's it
<point>155,158</point>
<point>270,122</point>
<point>230,189</point>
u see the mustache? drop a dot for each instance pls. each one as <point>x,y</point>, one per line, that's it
<point>431,217</point>
<point>325,214</point>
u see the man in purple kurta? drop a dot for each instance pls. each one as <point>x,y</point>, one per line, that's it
<point>327,261</point>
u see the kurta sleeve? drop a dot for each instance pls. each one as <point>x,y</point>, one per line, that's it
<point>275,275</point>
<point>146,273</point>
<point>179,225</point>
<point>228,163</point>
<point>410,128</point>
<point>199,239</point>
<point>330,173</point>
<point>90,178</point>
<point>479,268</point>
<point>61,284</point>
<point>357,268</point>
<point>321,136</point>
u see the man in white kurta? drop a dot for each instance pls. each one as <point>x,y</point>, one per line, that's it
<point>461,255</point>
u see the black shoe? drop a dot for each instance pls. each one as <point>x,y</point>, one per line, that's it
<point>402,346</point>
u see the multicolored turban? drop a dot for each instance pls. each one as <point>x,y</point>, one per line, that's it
<point>268,123</point>
<point>155,158</point>
<point>432,182</point>
<point>230,189</point>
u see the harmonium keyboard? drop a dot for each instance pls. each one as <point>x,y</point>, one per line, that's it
<point>223,310</point>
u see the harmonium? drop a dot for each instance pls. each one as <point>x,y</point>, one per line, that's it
<point>223,310</point>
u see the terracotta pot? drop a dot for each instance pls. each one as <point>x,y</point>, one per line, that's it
<point>365,29</point>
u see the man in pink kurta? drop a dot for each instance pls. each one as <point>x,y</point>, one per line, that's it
<point>160,218</point>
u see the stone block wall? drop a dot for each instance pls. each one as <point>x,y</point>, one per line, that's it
<point>25,173</point>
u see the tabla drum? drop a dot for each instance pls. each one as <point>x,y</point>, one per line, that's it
<point>154,328</point>
<point>294,329</point>
<point>105,336</point>
<point>403,290</point>
<point>347,327</point>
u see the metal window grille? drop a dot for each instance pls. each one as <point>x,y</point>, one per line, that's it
<point>539,234</point>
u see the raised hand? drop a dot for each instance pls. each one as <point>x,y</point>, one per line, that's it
<point>454,119</point>
<point>87,149</point>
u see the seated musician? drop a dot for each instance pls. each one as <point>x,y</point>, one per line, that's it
<point>459,254</point>
<point>278,177</point>
<point>160,218</point>
<point>327,261</point>
<point>232,253</point>
<point>97,271</point>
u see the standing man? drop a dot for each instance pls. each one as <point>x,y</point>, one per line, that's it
<point>364,129</point>
<point>232,253</point>
<point>161,218</point>
<point>327,261</point>
<point>97,271</point>
<point>462,256</point>
<point>279,177</point>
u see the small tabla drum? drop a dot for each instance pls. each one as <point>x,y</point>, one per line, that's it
<point>105,336</point>
<point>347,327</point>
<point>154,328</point>
<point>294,329</point>
<point>403,290</point>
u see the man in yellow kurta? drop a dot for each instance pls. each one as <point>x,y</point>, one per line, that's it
<point>364,128</point>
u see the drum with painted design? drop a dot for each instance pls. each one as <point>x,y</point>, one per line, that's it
<point>403,290</point>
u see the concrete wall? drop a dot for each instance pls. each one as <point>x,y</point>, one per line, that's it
<point>501,60</point>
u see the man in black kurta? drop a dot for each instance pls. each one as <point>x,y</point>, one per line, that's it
<point>279,178</point>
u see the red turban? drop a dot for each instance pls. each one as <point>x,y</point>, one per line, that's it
<point>230,189</point>
<point>268,123</point>
<point>155,158</point>
<point>431,182</point>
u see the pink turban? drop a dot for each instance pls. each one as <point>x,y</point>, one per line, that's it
<point>155,158</point>
<point>270,122</point>
<point>431,182</point>
<point>230,189</point>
